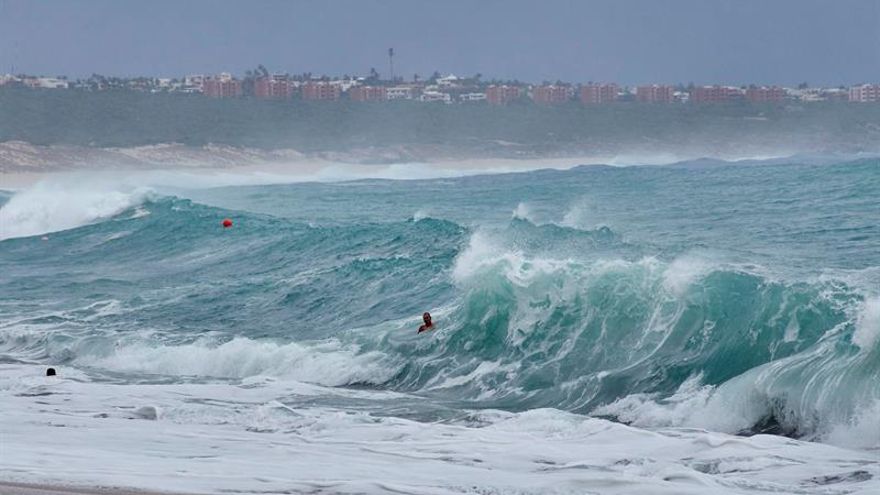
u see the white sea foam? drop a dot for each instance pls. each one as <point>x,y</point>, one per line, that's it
<point>420,215</point>
<point>683,272</point>
<point>54,206</point>
<point>328,362</point>
<point>743,401</point>
<point>577,216</point>
<point>693,405</point>
<point>481,252</point>
<point>868,325</point>
<point>863,431</point>
<point>208,438</point>
<point>522,212</point>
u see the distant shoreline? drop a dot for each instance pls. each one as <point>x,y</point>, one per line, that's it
<point>307,169</point>
<point>45,132</point>
<point>135,126</point>
<point>23,164</point>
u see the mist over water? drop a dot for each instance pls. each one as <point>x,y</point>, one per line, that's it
<point>731,298</point>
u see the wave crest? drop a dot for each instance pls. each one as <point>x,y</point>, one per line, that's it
<point>328,362</point>
<point>52,207</point>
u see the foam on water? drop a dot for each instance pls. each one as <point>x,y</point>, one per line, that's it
<point>868,325</point>
<point>522,212</point>
<point>577,216</point>
<point>683,272</point>
<point>209,438</point>
<point>51,207</point>
<point>255,357</point>
<point>327,363</point>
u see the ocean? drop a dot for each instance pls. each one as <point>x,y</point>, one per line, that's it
<point>700,327</point>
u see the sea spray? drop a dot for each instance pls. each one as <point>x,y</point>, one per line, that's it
<point>681,314</point>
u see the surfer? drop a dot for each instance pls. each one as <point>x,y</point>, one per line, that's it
<point>428,324</point>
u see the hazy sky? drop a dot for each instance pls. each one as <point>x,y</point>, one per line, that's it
<point>628,41</point>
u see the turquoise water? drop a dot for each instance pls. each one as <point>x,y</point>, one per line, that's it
<point>653,295</point>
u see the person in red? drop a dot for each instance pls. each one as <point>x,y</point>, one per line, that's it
<point>428,324</point>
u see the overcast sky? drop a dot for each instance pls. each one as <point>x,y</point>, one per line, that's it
<point>627,41</point>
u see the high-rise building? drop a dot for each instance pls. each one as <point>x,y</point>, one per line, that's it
<point>222,86</point>
<point>502,94</point>
<point>274,87</point>
<point>368,93</point>
<point>550,94</point>
<point>715,94</point>
<point>765,94</point>
<point>320,90</point>
<point>865,93</point>
<point>598,93</point>
<point>655,94</point>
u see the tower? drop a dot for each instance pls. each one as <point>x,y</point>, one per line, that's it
<point>391,62</point>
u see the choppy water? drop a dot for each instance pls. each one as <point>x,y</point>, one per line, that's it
<point>736,299</point>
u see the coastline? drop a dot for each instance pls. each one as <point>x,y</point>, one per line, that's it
<point>306,170</point>
<point>22,164</point>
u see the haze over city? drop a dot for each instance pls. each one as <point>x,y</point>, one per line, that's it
<point>781,42</point>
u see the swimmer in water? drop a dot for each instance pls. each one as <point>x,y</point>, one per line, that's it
<point>428,324</point>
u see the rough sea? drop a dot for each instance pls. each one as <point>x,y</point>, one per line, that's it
<point>695,328</point>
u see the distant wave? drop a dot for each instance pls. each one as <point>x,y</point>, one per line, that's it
<point>51,207</point>
<point>241,165</point>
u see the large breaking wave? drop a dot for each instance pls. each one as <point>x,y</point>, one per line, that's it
<point>530,315</point>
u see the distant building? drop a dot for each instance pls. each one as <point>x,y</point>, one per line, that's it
<point>368,93</point>
<point>45,82</point>
<point>502,94</point>
<point>448,81</point>
<point>835,94</point>
<point>7,79</point>
<point>430,95</point>
<point>550,94</point>
<point>320,90</point>
<point>715,94</point>
<point>274,87</point>
<point>655,94</point>
<point>193,83</point>
<point>865,93</point>
<point>475,96</point>
<point>764,94</point>
<point>598,93</point>
<point>400,93</point>
<point>222,86</point>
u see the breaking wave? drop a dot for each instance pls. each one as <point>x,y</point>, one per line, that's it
<point>529,315</point>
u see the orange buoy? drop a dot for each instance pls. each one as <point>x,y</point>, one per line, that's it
<point>227,223</point>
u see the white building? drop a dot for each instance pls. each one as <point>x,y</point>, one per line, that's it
<point>7,79</point>
<point>399,93</point>
<point>448,81</point>
<point>431,95</point>
<point>865,93</point>
<point>347,83</point>
<point>193,83</point>
<point>472,97</point>
<point>46,82</point>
